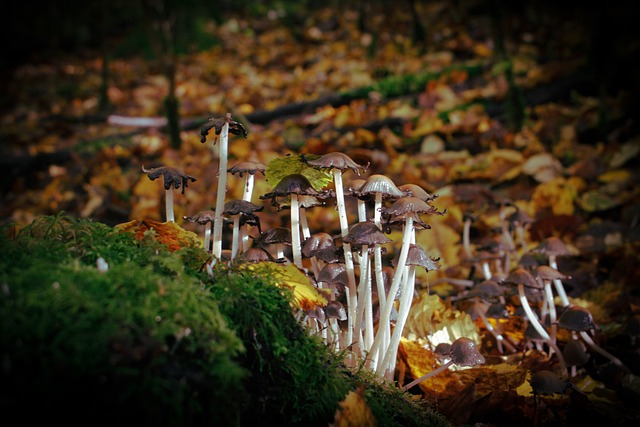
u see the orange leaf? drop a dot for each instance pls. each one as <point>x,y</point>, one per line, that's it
<point>354,411</point>
<point>169,234</point>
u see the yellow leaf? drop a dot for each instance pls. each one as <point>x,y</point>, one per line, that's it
<point>354,411</point>
<point>306,295</point>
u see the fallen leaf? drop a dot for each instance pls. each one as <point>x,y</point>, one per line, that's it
<point>169,233</point>
<point>354,411</point>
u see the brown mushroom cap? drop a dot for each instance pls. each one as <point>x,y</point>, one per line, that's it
<point>365,233</point>
<point>552,245</point>
<point>236,206</point>
<point>202,217</point>
<point>335,160</point>
<point>335,309</point>
<point>418,256</point>
<point>248,166</point>
<point>544,272</point>
<point>523,277</point>
<point>322,246</point>
<point>414,190</point>
<point>575,353</point>
<point>576,318</point>
<point>547,382</point>
<point>274,235</point>
<point>172,176</point>
<point>464,352</point>
<point>378,183</point>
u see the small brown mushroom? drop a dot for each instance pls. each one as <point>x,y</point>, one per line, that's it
<point>174,178</point>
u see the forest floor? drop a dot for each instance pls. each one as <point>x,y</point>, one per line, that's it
<point>572,166</point>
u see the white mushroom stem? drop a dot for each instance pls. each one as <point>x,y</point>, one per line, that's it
<point>352,297</point>
<point>389,361</point>
<point>558,283</point>
<point>385,316</point>
<point>427,376</point>
<point>591,343</point>
<point>306,233</point>
<point>222,191</point>
<point>466,243</point>
<point>533,318</point>
<point>377,259</point>
<point>168,204</point>
<point>551,306</point>
<point>296,245</point>
<point>246,196</point>
<point>207,236</point>
<point>363,288</point>
<point>235,239</point>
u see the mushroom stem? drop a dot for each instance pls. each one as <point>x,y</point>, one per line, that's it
<point>352,297</point>
<point>383,325</point>
<point>235,240</point>
<point>538,327</point>
<point>389,359</point>
<point>168,203</point>
<point>427,376</point>
<point>207,236</point>
<point>247,195</point>
<point>591,343</point>
<point>222,188</point>
<point>466,238</point>
<point>363,289</point>
<point>558,283</point>
<point>296,245</point>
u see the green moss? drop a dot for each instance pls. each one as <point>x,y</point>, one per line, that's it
<point>156,341</point>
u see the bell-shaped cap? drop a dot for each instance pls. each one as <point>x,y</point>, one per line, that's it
<point>576,318</point>
<point>465,353</point>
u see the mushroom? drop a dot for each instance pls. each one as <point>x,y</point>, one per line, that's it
<point>222,127</point>
<point>416,256</point>
<point>579,319</point>
<point>320,247</point>
<point>240,208</point>
<point>278,236</point>
<point>553,247</point>
<point>545,275</point>
<point>463,352</point>
<point>522,278</point>
<point>575,354</point>
<point>364,236</point>
<point>293,185</point>
<point>548,382</point>
<point>338,163</point>
<point>205,218</point>
<point>174,178</point>
<point>250,168</point>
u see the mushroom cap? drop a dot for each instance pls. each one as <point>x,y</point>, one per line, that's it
<point>336,160</point>
<point>335,309</point>
<point>365,233</point>
<point>172,176</point>
<point>322,246</point>
<point>248,166</point>
<point>520,276</point>
<point>408,204</point>
<point>418,256</point>
<point>576,318</point>
<point>464,352</point>
<point>202,217</point>
<point>544,272</point>
<point>547,382</point>
<point>575,353</point>
<point>334,273</point>
<point>295,183</point>
<point>274,235</point>
<point>442,351</point>
<point>378,183</point>
<point>236,206</point>
<point>255,255</point>
<point>487,289</point>
<point>414,190</point>
<point>218,123</point>
<point>552,245</point>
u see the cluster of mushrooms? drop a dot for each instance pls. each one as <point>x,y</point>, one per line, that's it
<point>369,294</point>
